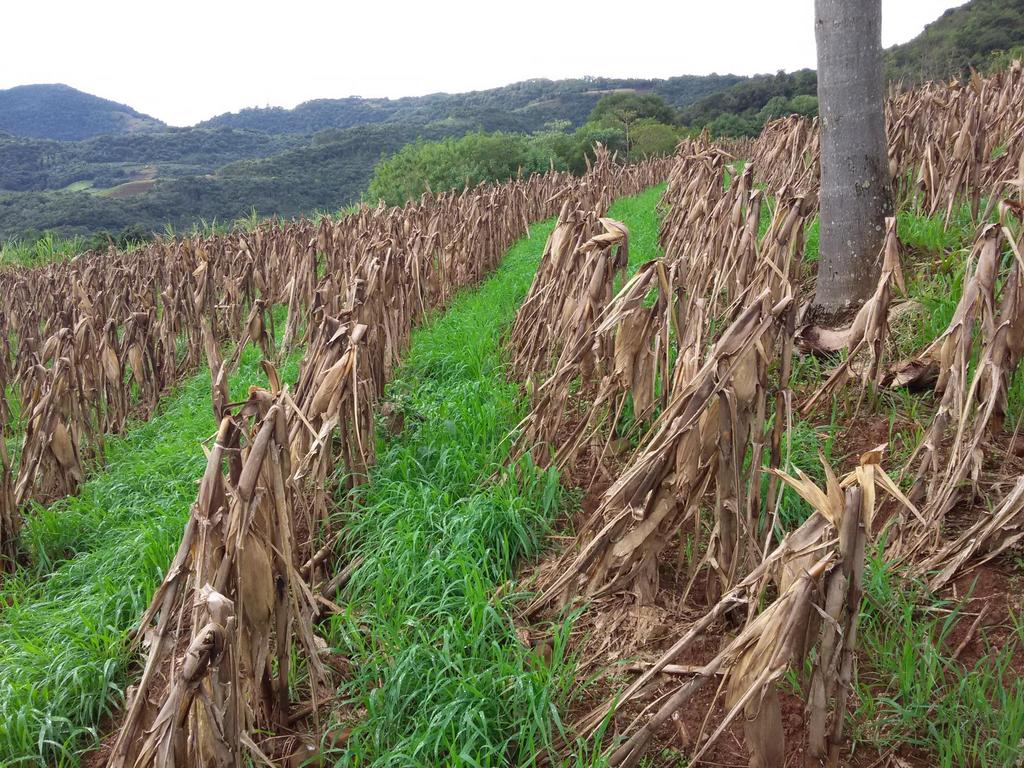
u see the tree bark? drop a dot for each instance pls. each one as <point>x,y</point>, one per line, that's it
<point>856,193</point>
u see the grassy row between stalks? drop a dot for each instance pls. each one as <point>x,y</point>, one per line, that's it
<point>94,561</point>
<point>439,675</point>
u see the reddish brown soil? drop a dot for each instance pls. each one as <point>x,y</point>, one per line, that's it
<point>98,757</point>
<point>992,591</point>
<point>856,439</point>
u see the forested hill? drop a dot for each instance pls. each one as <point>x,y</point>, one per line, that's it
<point>525,106</point>
<point>66,114</point>
<point>963,37</point>
<point>318,156</point>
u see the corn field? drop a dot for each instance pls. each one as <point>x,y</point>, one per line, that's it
<point>93,342</point>
<point>669,393</point>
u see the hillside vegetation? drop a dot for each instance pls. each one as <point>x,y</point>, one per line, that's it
<point>35,165</point>
<point>326,172</point>
<point>633,126</point>
<point>744,108</point>
<point>525,106</point>
<point>64,113</point>
<point>961,38</point>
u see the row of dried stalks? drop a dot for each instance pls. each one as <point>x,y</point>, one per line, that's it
<point>970,366</point>
<point>663,388</point>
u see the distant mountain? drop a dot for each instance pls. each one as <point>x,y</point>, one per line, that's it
<point>962,37</point>
<point>319,155</point>
<point>524,106</point>
<point>63,113</point>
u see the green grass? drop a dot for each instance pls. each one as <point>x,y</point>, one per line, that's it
<point>934,260</point>
<point>910,692</point>
<point>812,241</point>
<point>95,560</point>
<point>800,447</point>
<point>439,675</point>
<point>640,215</point>
<point>930,235</point>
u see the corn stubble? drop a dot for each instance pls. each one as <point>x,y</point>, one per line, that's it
<point>676,391</point>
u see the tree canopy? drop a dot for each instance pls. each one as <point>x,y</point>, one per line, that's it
<point>620,109</point>
<point>451,163</point>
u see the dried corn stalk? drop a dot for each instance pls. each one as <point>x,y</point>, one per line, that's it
<point>787,154</point>
<point>234,593</point>
<point>572,285</point>
<point>10,520</point>
<point>616,358</point>
<point>668,475</point>
<point>818,572</point>
<point>973,397</point>
<point>645,347</point>
<point>754,661</point>
<point>990,536</point>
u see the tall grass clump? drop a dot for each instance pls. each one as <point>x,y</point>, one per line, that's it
<point>44,250</point>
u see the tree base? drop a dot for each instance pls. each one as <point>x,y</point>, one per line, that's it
<point>830,317</point>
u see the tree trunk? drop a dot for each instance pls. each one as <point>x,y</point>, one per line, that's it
<point>856,195</point>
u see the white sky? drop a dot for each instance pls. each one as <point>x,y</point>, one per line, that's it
<point>186,60</point>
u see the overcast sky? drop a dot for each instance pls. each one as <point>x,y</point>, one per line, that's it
<point>186,60</point>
